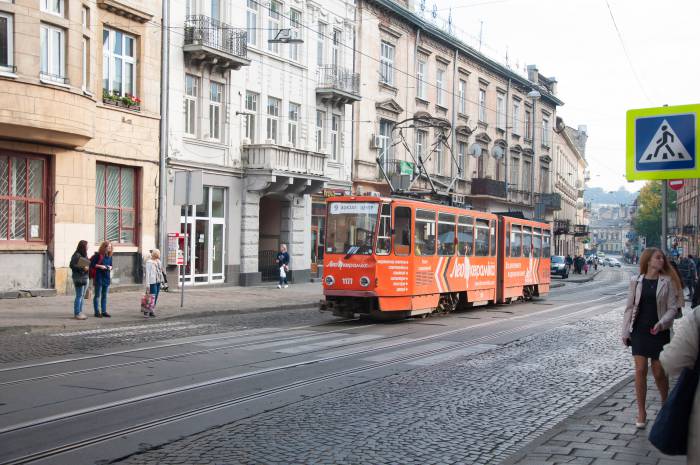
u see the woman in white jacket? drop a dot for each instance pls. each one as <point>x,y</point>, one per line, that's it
<point>682,352</point>
<point>154,276</point>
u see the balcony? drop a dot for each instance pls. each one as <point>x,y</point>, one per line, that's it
<point>283,170</point>
<point>338,85</point>
<point>215,43</point>
<point>580,230</point>
<point>561,227</point>
<point>519,196</point>
<point>551,202</point>
<point>489,187</point>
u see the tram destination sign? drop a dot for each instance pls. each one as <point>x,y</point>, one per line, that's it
<point>339,208</point>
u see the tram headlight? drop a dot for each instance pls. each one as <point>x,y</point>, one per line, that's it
<point>364,281</point>
<point>330,280</point>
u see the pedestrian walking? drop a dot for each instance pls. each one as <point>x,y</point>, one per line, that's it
<point>568,261</point>
<point>683,352</point>
<point>100,272</point>
<point>689,275</point>
<point>80,265</point>
<point>283,265</point>
<point>652,303</point>
<point>154,278</point>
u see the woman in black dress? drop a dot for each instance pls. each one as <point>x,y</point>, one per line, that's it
<point>652,303</point>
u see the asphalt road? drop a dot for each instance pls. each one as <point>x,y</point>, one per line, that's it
<point>303,387</point>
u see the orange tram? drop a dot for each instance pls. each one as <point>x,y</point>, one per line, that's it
<point>399,257</point>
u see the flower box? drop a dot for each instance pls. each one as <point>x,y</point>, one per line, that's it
<point>120,104</point>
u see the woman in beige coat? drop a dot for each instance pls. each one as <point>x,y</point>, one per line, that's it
<point>680,353</point>
<point>652,303</point>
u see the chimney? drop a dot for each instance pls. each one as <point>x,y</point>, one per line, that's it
<point>553,85</point>
<point>583,129</point>
<point>533,74</point>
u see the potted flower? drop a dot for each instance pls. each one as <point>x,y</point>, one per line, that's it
<point>130,102</point>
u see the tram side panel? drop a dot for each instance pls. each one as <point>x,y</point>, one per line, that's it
<point>524,259</point>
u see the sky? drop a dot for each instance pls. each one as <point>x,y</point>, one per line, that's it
<point>652,58</point>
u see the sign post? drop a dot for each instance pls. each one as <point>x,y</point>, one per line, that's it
<point>188,191</point>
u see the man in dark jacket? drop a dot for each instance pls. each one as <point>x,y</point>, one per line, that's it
<point>689,275</point>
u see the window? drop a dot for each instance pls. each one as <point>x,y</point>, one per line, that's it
<point>516,118</point>
<point>295,27</point>
<point>252,22</point>
<point>481,245</point>
<point>514,171</point>
<point>115,204</point>
<point>402,231</point>
<point>385,149</point>
<point>191,94</point>
<point>53,54</point>
<point>335,123</point>
<point>335,48</point>
<point>421,140</point>
<point>215,9</point>
<point>216,97</point>
<point>463,96</point>
<point>320,46</point>
<point>351,227</point>
<point>189,7</point>
<point>501,111</point>
<point>544,178</point>
<point>537,243</point>
<point>251,106</point>
<point>440,86</point>
<point>22,198</point>
<point>86,63</point>
<point>293,122</point>
<point>273,25</point>
<point>446,234</point>
<point>493,238</point>
<point>516,241</point>
<point>320,136</point>
<point>85,17</point>
<point>482,105</point>
<point>425,233</point>
<point>465,236</point>
<point>527,241</point>
<point>481,161</point>
<point>6,42</point>
<point>387,63</point>
<point>273,113</point>
<point>545,131</point>
<point>527,175</point>
<point>384,236</point>
<point>438,157</point>
<point>421,79</point>
<point>546,250</point>
<point>528,124</point>
<point>462,159</point>
<point>55,7</point>
<point>119,66</point>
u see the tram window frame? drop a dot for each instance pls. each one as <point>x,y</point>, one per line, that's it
<point>384,230</point>
<point>537,242</point>
<point>546,243</point>
<point>492,238</point>
<point>422,248</point>
<point>468,223</point>
<point>506,242</point>
<point>399,241</point>
<point>516,232</point>
<point>444,220</point>
<point>479,249</point>
<point>527,241</point>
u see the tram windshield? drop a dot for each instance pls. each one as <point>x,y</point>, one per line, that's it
<point>351,226</point>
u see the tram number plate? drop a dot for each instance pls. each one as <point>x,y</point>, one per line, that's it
<point>347,281</point>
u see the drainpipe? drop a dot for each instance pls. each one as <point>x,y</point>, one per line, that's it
<point>453,142</point>
<point>359,86</point>
<point>506,154</point>
<point>164,104</point>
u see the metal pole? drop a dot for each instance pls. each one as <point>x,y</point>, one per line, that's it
<point>664,215</point>
<point>164,103</point>
<point>187,245</point>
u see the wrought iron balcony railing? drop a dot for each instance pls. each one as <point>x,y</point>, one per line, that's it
<point>338,83</point>
<point>561,227</point>
<point>551,201</point>
<point>580,230</point>
<point>209,35</point>
<point>491,187</point>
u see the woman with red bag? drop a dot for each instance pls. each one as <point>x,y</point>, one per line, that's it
<point>154,276</point>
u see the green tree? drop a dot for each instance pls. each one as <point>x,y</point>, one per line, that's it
<point>647,219</point>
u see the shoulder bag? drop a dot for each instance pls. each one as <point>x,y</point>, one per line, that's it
<point>669,433</point>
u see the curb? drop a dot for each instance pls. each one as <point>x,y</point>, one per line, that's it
<point>562,425</point>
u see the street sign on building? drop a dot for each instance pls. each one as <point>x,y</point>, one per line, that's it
<point>663,143</point>
<point>676,184</point>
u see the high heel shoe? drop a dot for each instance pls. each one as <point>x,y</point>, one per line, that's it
<point>640,424</point>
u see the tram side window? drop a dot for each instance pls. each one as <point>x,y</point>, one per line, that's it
<point>493,238</point>
<point>446,234</point>
<point>465,236</point>
<point>506,252</point>
<point>527,241</point>
<point>481,247</point>
<point>516,241</point>
<point>402,230</point>
<point>537,243</point>
<point>425,232</point>
<point>546,251</point>
<point>384,236</point>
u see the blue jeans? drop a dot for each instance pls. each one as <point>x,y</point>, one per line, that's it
<point>79,298</point>
<point>101,294</point>
<point>283,280</point>
<point>154,290</point>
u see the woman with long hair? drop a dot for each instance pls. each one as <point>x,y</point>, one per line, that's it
<point>154,277</point>
<point>80,278</point>
<point>652,303</point>
<point>101,264</point>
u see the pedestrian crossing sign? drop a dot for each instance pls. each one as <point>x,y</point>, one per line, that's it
<point>662,143</point>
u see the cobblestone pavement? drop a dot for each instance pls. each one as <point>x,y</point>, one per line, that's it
<point>602,433</point>
<point>476,410</point>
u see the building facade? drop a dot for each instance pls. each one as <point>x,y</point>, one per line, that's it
<point>78,136</point>
<point>688,216</point>
<point>611,236</point>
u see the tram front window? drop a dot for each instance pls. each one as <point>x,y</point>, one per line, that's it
<point>350,228</point>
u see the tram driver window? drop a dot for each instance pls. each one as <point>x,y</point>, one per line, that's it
<point>515,241</point>
<point>446,234</point>
<point>402,231</point>
<point>384,236</point>
<point>482,238</point>
<point>537,243</point>
<point>527,241</point>
<point>546,243</point>
<point>465,236</point>
<point>425,232</point>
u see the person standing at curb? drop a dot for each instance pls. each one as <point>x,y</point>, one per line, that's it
<point>283,265</point>
<point>681,353</point>
<point>80,278</point>
<point>154,276</point>
<point>652,303</point>
<point>100,272</point>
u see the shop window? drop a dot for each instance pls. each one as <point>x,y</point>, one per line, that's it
<point>22,198</point>
<point>115,204</point>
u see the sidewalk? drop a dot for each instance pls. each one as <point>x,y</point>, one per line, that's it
<point>36,313</point>
<point>601,433</point>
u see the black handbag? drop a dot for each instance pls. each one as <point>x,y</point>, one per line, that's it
<point>669,433</point>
